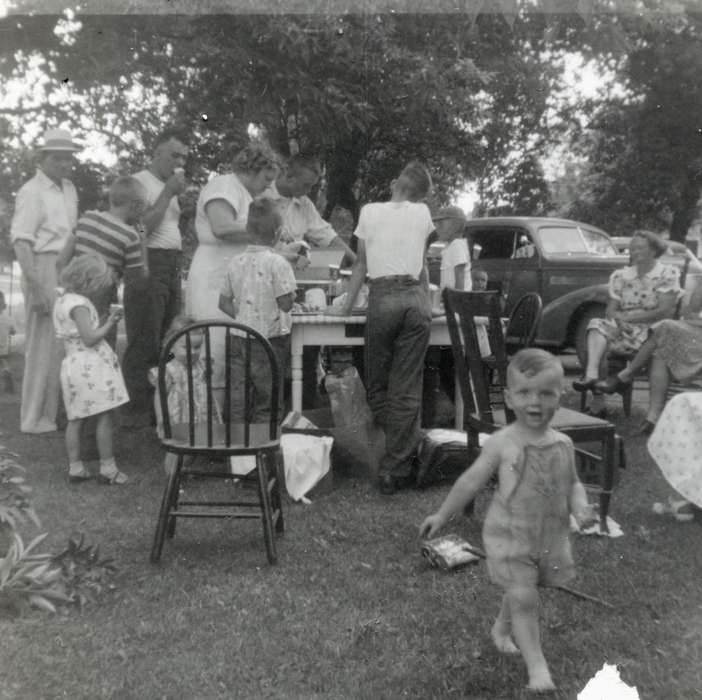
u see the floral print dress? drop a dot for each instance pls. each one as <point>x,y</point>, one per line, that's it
<point>91,379</point>
<point>635,293</point>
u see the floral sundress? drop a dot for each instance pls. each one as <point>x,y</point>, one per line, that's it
<point>91,379</point>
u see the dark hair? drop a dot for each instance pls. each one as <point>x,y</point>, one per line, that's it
<point>533,361</point>
<point>2,297</point>
<point>416,180</point>
<point>166,135</point>
<point>303,161</point>
<point>653,239</point>
<point>264,220</point>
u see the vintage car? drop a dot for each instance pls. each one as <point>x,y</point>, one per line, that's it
<point>567,262</point>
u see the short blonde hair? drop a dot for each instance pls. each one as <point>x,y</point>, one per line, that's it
<point>254,158</point>
<point>124,190</point>
<point>87,274</point>
<point>533,361</point>
<point>178,323</point>
<point>416,181</point>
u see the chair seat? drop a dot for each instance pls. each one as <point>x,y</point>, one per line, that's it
<point>564,419</point>
<point>259,439</point>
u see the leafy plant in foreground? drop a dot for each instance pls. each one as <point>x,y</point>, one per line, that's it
<point>42,580</point>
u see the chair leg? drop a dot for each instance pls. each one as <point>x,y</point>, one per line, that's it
<point>277,501</point>
<point>265,504</point>
<point>608,466</point>
<point>175,495</point>
<point>166,501</point>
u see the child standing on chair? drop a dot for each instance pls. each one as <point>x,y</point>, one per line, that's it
<point>392,238</point>
<point>91,379</point>
<point>455,258</point>
<point>259,291</point>
<point>526,529</point>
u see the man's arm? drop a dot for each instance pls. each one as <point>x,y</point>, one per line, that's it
<point>154,214</point>
<point>25,257</point>
<point>66,253</point>
<point>358,277</point>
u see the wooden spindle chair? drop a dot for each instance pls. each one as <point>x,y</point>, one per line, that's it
<point>222,440</point>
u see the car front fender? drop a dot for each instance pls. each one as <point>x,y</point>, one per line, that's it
<point>559,317</point>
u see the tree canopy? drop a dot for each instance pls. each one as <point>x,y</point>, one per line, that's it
<point>471,93</point>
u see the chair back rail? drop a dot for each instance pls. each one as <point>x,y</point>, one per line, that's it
<point>462,308</point>
<point>523,323</point>
<point>250,339</point>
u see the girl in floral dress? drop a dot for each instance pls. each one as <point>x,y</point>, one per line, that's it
<point>91,379</point>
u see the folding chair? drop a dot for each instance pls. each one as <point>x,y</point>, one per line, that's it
<point>222,440</point>
<point>485,410</point>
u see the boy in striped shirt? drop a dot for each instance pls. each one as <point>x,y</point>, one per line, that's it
<point>111,235</point>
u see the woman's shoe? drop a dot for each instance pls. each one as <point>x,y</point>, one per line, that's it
<point>611,385</point>
<point>601,414</point>
<point>113,478</point>
<point>584,384</point>
<point>646,427</point>
<point>682,511</point>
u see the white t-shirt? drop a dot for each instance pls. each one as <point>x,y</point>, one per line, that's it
<point>167,234</point>
<point>454,254</point>
<point>395,235</point>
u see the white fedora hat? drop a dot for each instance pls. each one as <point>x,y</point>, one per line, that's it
<point>58,140</point>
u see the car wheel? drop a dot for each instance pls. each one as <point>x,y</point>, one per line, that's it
<point>597,311</point>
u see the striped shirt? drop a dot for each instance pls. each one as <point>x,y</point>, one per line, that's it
<point>101,233</point>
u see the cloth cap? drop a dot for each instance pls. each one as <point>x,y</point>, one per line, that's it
<point>450,213</point>
<point>58,140</point>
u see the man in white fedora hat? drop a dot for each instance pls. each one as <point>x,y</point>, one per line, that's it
<point>46,213</point>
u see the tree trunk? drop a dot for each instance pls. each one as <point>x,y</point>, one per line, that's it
<point>342,174</point>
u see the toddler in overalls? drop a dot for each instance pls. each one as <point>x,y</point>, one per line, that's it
<point>526,529</point>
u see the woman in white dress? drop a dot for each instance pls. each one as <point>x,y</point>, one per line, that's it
<point>220,223</point>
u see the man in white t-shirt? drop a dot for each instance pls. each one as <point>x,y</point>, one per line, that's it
<point>392,238</point>
<point>150,308</point>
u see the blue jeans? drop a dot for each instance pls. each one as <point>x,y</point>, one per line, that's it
<point>397,338</point>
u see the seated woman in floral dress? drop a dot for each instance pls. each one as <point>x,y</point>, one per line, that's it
<point>640,294</point>
<point>673,349</point>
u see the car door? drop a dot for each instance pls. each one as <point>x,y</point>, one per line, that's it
<point>510,257</point>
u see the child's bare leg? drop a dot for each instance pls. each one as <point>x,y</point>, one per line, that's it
<point>524,610</point>
<point>501,631</point>
<point>73,440</point>
<point>103,434</point>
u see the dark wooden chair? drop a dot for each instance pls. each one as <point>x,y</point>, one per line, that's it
<point>485,410</point>
<point>220,441</point>
<point>615,361</point>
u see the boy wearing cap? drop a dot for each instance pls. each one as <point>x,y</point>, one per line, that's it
<point>455,258</point>
<point>46,213</point>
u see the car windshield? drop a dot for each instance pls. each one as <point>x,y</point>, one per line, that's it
<point>574,240</point>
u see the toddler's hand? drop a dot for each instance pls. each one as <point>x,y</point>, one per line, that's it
<point>116,315</point>
<point>431,525</point>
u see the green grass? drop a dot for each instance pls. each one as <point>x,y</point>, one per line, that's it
<point>350,611</point>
